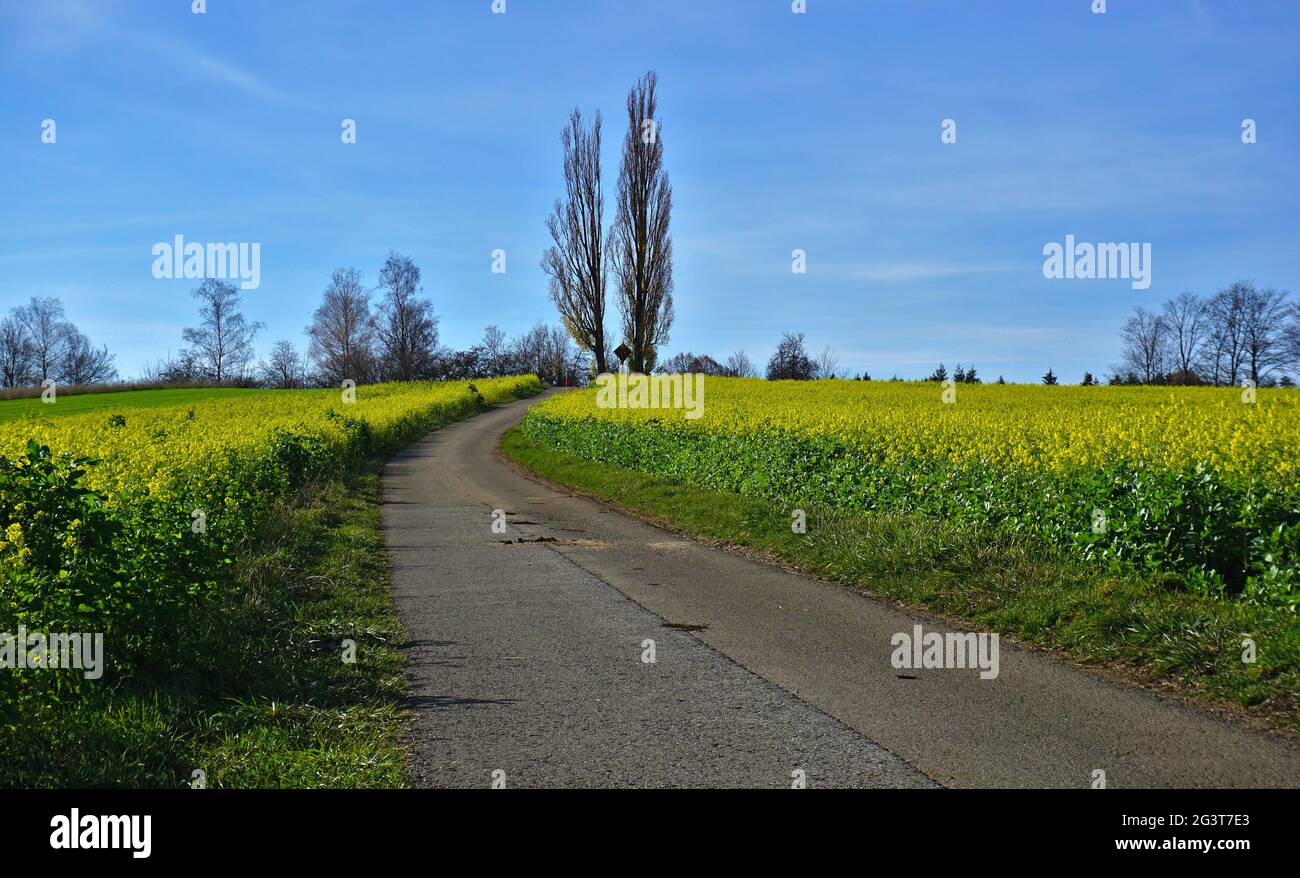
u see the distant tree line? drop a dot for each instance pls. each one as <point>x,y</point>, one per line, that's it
<point>37,343</point>
<point>1241,333</point>
<point>361,334</point>
<point>790,362</point>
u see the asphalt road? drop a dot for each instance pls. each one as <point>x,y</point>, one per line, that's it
<point>527,663</point>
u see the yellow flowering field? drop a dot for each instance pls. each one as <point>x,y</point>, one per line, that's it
<point>157,449</point>
<point>117,520</point>
<point>1058,428</point>
<point>1200,480</point>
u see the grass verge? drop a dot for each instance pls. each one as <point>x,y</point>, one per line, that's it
<point>260,695</point>
<point>1148,628</point>
<point>75,401</point>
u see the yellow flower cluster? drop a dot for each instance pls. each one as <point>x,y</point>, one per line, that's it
<point>1024,426</point>
<point>157,446</point>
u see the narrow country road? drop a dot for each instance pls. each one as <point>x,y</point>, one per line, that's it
<point>526,659</point>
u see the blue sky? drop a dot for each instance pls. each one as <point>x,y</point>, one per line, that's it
<point>818,131</point>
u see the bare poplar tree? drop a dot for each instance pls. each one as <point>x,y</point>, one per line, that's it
<point>221,346</point>
<point>342,331</point>
<point>576,261</point>
<point>406,328</point>
<point>642,247</point>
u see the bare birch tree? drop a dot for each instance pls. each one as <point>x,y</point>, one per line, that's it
<point>405,325</point>
<point>221,346</point>
<point>342,331</point>
<point>47,335</point>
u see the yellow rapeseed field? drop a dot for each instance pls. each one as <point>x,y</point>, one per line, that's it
<point>153,447</point>
<point>1203,481</point>
<point>1022,426</point>
<point>121,518</point>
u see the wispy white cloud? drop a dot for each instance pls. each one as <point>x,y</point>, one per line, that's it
<point>67,27</point>
<point>210,67</point>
